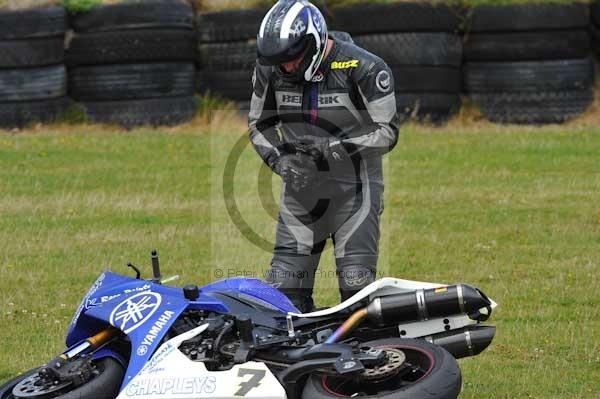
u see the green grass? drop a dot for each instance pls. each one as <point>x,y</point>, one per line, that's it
<point>515,211</point>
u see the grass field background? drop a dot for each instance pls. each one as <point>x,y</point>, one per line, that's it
<point>513,210</point>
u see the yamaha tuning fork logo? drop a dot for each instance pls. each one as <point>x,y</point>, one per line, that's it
<point>135,311</point>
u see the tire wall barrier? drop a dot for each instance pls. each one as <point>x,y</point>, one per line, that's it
<point>33,77</point>
<point>133,63</point>
<point>142,63</point>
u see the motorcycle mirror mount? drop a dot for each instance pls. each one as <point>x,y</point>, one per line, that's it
<point>156,276</point>
<point>138,274</point>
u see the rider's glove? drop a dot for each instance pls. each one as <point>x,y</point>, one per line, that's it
<point>329,150</point>
<point>300,171</point>
<point>297,169</point>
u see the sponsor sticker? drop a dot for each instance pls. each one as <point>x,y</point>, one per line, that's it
<point>319,77</point>
<point>93,302</point>
<point>383,81</point>
<point>133,312</point>
<point>344,64</point>
<point>154,332</point>
<point>172,386</point>
<point>92,291</point>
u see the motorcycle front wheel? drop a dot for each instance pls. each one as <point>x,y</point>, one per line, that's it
<point>104,385</point>
<point>415,369</point>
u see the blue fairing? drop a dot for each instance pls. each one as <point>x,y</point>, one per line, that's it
<point>256,289</point>
<point>145,311</point>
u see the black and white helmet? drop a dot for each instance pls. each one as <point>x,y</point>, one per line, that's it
<point>292,28</point>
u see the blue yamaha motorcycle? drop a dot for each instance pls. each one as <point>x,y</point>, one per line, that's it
<point>135,338</point>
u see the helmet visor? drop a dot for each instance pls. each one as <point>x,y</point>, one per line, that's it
<point>276,51</point>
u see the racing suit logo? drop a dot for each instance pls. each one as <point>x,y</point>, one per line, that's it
<point>344,64</point>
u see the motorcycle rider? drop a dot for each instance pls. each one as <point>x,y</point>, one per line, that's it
<point>323,113</point>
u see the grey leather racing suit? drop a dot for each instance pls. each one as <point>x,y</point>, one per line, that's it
<point>351,99</point>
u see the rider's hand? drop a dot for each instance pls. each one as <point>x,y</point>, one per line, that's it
<point>299,170</point>
<point>329,150</point>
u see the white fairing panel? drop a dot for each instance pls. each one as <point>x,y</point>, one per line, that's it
<point>170,374</point>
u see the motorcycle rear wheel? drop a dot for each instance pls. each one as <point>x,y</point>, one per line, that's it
<point>428,372</point>
<point>103,386</point>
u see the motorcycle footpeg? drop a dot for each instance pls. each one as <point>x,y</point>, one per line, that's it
<point>348,366</point>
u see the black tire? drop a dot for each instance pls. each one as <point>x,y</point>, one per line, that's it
<point>419,79</point>
<point>218,26</point>
<point>228,56</point>
<point>155,112</point>
<point>38,22</point>
<point>442,380</point>
<point>104,386</point>
<point>21,114</point>
<point>131,81</point>
<point>435,108</point>
<point>233,85</point>
<point>33,83</point>
<point>433,49</point>
<point>534,108</point>
<point>151,45</point>
<point>135,15</point>
<point>397,17</point>
<point>529,77</point>
<point>518,46</point>
<point>596,12</point>
<point>529,17</point>
<point>595,34</point>
<point>32,52</point>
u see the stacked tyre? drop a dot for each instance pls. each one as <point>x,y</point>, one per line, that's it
<point>420,43</point>
<point>227,53</point>
<point>133,63</point>
<point>595,26</point>
<point>33,80</point>
<point>529,63</point>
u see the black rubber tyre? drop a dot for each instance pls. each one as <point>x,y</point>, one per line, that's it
<point>534,108</point>
<point>151,45</point>
<point>595,34</point>
<point>397,17</point>
<point>419,79</point>
<point>131,81</point>
<point>33,83</point>
<point>21,114</point>
<point>439,49</point>
<point>228,56</point>
<point>155,112</point>
<point>529,76</point>
<point>442,380</point>
<point>518,46</point>
<point>529,17</point>
<point>435,108</point>
<point>104,386</point>
<point>596,12</point>
<point>218,26</point>
<point>37,22</point>
<point>32,52</point>
<point>233,85</point>
<point>141,14</point>
<point>240,54</point>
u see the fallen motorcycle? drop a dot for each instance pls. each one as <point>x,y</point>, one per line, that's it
<point>240,337</point>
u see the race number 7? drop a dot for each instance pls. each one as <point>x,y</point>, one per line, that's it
<point>253,382</point>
